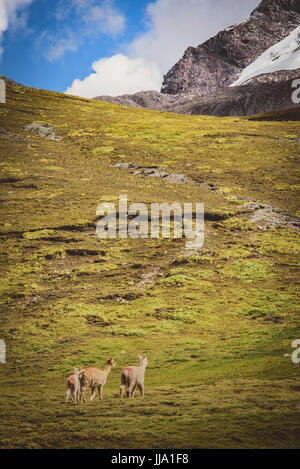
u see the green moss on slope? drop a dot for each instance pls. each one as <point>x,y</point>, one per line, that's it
<point>215,323</point>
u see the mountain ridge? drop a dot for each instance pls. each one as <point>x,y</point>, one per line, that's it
<point>204,73</point>
<point>263,93</point>
<point>218,61</point>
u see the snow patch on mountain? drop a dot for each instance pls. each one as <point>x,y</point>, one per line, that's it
<point>285,55</point>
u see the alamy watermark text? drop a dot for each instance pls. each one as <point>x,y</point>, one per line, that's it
<point>2,91</point>
<point>135,221</point>
<point>296,93</point>
<point>2,351</point>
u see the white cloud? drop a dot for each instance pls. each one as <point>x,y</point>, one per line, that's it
<point>118,75</point>
<point>175,25</point>
<point>105,18</point>
<point>57,47</point>
<point>11,16</point>
<point>172,26</point>
<point>90,18</point>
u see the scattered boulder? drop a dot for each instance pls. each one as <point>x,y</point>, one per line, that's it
<point>43,130</point>
<point>153,171</point>
<point>267,216</point>
<point>212,187</point>
<point>176,179</point>
<point>126,165</point>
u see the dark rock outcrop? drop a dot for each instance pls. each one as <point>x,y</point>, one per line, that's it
<point>143,99</point>
<point>261,94</point>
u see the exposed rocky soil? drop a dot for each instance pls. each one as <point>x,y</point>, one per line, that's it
<point>43,130</point>
<point>153,171</point>
<point>264,216</point>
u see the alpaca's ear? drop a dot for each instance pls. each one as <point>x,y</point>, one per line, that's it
<point>140,357</point>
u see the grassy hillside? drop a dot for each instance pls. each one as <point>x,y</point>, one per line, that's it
<point>214,324</point>
<point>289,114</point>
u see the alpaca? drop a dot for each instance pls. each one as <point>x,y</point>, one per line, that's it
<point>73,386</point>
<point>133,376</point>
<point>94,379</point>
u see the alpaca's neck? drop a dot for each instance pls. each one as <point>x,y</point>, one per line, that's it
<point>107,369</point>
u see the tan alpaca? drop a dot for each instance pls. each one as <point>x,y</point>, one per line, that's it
<point>133,376</point>
<point>73,386</point>
<point>94,379</point>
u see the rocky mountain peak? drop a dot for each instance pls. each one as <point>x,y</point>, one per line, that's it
<point>273,7</point>
<point>219,61</point>
<point>199,82</point>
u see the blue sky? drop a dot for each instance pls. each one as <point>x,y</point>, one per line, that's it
<point>25,48</point>
<point>106,46</point>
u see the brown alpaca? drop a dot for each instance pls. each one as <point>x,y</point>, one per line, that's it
<point>94,379</point>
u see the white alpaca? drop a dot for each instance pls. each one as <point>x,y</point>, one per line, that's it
<point>133,376</point>
<point>73,386</point>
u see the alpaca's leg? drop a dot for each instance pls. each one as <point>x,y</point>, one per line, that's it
<point>73,393</point>
<point>124,383</point>
<point>133,391</point>
<point>76,393</point>
<point>93,393</point>
<point>122,388</point>
<point>68,392</point>
<point>100,389</point>
<point>82,393</point>
<point>130,391</point>
<point>141,388</point>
